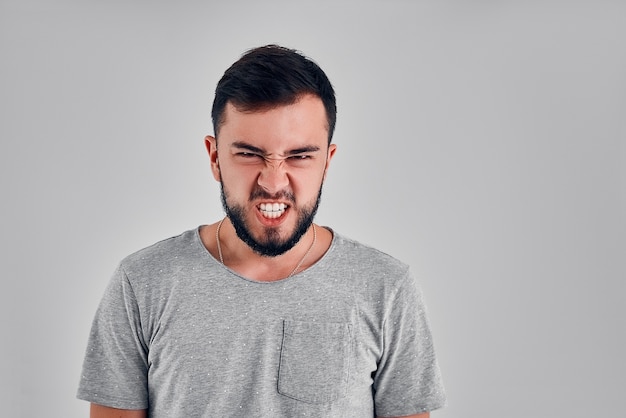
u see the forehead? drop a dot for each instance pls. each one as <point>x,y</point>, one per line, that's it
<point>301,123</point>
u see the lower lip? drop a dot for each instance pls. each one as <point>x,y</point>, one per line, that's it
<point>271,221</point>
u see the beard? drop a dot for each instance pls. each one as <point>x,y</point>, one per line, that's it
<point>270,244</point>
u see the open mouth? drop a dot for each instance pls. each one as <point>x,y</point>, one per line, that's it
<point>272,210</point>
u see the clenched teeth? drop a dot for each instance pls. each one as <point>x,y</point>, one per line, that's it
<point>272,210</point>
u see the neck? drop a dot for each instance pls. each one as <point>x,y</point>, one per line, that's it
<point>239,257</point>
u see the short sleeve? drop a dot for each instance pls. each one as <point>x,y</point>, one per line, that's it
<point>408,380</point>
<point>115,367</point>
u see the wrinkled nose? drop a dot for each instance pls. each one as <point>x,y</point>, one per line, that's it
<point>273,178</point>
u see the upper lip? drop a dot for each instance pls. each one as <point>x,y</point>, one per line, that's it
<point>271,202</point>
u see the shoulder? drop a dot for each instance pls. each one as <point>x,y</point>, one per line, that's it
<point>369,261</point>
<point>365,253</point>
<point>163,254</point>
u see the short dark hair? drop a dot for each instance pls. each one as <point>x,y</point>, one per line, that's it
<point>271,76</point>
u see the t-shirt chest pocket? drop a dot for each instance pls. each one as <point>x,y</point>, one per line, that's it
<point>315,361</point>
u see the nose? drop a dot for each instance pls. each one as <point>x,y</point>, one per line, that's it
<point>273,178</point>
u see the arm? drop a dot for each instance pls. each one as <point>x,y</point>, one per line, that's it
<point>116,359</point>
<point>100,411</point>
<point>424,415</point>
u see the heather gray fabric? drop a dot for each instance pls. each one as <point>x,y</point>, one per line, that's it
<point>184,336</point>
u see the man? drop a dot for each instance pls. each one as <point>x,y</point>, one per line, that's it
<point>264,313</point>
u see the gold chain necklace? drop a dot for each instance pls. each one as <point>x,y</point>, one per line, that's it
<point>219,247</point>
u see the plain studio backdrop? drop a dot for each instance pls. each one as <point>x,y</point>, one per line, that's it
<point>482,142</point>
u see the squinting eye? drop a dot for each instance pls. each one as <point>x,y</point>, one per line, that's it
<point>300,160</point>
<point>247,155</point>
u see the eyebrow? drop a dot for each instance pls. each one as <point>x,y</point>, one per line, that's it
<point>244,145</point>
<point>252,148</point>
<point>303,150</point>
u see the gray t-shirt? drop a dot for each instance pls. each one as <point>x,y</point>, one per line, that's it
<point>182,335</point>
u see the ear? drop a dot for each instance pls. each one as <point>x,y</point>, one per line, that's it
<point>211,146</point>
<point>332,148</point>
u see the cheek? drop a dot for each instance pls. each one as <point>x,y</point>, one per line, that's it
<point>239,182</point>
<point>306,188</point>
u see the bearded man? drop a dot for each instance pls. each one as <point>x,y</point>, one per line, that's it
<point>264,313</point>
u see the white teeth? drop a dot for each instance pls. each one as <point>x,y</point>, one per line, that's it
<point>272,210</point>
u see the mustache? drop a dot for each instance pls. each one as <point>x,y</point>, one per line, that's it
<point>259,193</point>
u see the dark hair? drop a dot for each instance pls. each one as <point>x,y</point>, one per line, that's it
<point>271,76</point>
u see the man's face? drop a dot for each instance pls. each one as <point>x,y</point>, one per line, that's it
<point>271,165</point>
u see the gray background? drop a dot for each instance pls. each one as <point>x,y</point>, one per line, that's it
<point>482,142</point>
